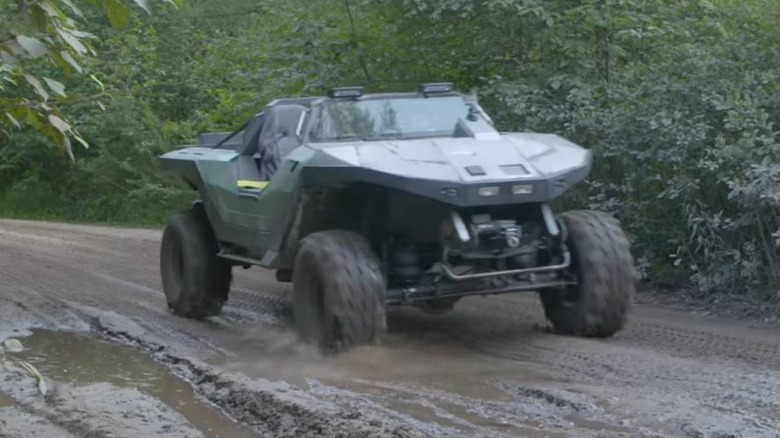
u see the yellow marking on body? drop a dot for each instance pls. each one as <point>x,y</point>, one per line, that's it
<point>249,184</point>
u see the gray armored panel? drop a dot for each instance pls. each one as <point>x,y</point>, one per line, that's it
<point>499,169</point>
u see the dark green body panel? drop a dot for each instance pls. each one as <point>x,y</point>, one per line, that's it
<point>255,220</point>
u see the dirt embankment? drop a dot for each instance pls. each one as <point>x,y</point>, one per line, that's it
<point>487,369</point>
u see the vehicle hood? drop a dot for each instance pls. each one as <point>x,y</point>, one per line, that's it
<point>506,156</point>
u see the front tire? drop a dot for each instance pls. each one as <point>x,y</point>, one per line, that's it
<point>195,280</point>
<point>604,269</point>
<point>338,291</point>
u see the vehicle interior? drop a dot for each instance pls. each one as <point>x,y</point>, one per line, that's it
<point>268,138</point>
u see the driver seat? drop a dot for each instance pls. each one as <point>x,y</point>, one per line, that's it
<point>248,177</point>
<point>278,137</point>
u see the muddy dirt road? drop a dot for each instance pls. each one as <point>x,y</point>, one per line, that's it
<point>86,304</point>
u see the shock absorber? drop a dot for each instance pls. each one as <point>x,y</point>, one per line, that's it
<point>405,262</point>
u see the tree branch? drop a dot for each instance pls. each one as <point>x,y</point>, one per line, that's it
<point>21,7</point>
<point>355,42</point>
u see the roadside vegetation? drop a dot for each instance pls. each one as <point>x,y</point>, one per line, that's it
<point>678,100</point>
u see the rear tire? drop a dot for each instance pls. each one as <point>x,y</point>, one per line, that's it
<point>195,280</point>
<point>338,291</point>
<point>604,268</point>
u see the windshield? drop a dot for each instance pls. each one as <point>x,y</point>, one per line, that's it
<point>376,119</point>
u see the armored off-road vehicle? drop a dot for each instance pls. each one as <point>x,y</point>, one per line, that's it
<point>363,201</point>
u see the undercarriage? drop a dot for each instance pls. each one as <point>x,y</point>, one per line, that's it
<point>479,255</point>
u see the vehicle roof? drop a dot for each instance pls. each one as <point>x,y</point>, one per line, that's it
<point>311,100</point>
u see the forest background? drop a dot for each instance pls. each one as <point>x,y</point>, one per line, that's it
<point>679,100</point>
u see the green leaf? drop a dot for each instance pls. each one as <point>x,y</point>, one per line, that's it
<point>39,18</point>
<point>143,4</point>
<point>97,81</point>
<point>61,125</point>
<point>81,140</point>
<point>61,139</point>
<point>55,86</point>
<point>118,14</point>
<point>81,34</point>
<point>32,80</point>
<point>62,64</point>
<point>33,372</point>
<point>53,11</point>
<point>19,113</point>
<point>73,7</point>
<point>34,120</point>
<point>13,120</point>
<point>32,45</point>
<point>177,3</point>
<point>70,60</point>
<point>72,41</point>
<point>68,148</point>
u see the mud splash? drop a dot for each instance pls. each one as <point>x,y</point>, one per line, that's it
<point>81,360</point>
<point>433,384</point>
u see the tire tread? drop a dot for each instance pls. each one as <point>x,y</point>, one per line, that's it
<point>605,274</point>
<point>206,276</point>
<point>353,286</point>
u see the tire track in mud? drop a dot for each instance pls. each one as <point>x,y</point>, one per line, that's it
<point>685,341</point>
<point>748,394</point>
<point>512,322</point>
<point>271,308</point>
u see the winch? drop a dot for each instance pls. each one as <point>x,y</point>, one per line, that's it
<point>495,234</point>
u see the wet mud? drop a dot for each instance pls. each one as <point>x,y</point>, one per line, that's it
<point>6,402</point>
<point>489,368</point>
<point>97,410</point>
<point>81,360</point>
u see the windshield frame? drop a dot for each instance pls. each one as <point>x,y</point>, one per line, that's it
<point>318,107</point>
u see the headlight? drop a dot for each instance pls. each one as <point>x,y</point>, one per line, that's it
<point>489,191</point>
<point>449,191</point>
<point>522,189</point>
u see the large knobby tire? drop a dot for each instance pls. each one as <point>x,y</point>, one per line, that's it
<point>603,267</point>
<point>195,280</point>
<point>338,291</point>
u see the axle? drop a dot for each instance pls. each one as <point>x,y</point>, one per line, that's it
<point>448,289</point>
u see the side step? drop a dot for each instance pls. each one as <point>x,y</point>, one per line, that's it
<point>240,259</point>
<point>282,275</point>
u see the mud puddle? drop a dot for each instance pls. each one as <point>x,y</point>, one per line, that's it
<point>276,354</point>
<point>436,385</point>
<point>5,401</point>
<point>80,360</point>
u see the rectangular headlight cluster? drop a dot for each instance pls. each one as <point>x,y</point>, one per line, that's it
<point>522,189</point>
<point>517,189</point>
<point>489,191</point>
